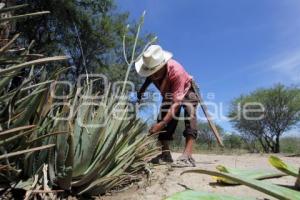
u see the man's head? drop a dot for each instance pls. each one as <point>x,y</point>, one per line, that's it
<point>153,61</point>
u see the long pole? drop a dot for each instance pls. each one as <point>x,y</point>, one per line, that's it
<point>207,115</point>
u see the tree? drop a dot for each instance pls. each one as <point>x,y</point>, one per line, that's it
<point>89,31</point>
<point>206,135</point>
<point>251,143</point>
<point>233,141</point>
<point>267,114</point>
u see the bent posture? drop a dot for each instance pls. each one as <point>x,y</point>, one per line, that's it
<point>178,90</point>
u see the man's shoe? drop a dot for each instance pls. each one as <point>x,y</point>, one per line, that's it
<point>163,158</point>
<point>184,161</point>
<point>167,157</point>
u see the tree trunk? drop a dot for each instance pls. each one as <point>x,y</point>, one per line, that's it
<point>277,145</point>
<point>265,147</point>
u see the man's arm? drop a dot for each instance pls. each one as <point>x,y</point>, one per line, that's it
<point>143,88</point>
<point>171,112</point>
<point>169,116</point>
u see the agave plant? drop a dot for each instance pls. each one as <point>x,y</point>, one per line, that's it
<point>232,176</point>
<point>78,154</point>
<point>107,144</point>
<point>21,103</point>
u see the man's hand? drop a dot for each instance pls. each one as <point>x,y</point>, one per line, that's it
<point>157,128</point>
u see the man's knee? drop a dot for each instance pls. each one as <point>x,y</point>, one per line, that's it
<point>190,132</point>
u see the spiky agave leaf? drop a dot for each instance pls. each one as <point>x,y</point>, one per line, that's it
<point>282,166</point>
<point>13,8</point>
<point>5,19</point>
<point>258,174</point>
<point>195,195</point>
<point>13,154</point>
<point>262,186</point>
<point>18,67</point>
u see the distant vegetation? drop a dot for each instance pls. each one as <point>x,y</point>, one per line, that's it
<point>236,144</point>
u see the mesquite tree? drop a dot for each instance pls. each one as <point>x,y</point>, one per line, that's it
<point>267,114</point>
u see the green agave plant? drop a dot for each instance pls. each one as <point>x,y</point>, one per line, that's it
<point>70,154</point>
<point>100,157</point>
<point>21,104</point>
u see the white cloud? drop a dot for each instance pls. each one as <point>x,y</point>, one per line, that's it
<point>288,66</point>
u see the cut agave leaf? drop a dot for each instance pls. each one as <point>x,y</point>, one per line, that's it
<point>258,174</point>
<point>283,167</point>
<point>194,195</point>
<point>273,190</point>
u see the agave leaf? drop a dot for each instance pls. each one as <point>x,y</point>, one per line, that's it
<point>34,62</point>
<point>262,186</point>
<point>64,181</point>
<point>94,168</point>
<point>195,195</point>
<point>14,130</point>
<point>29,111</point>
<point>26,151</point>
<point>12,8</point>
<point>6,46</point>
<point>16,136</point>
<point>258,174</point>
<point>36,85</point>
<point>46,136</point>
<point>4,82</point>
<point>283,167</point>
<point>4,19</point>
<point>112,173</point>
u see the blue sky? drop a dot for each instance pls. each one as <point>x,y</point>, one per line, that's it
<point>230,47</point>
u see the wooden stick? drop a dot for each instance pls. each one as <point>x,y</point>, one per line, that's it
<point>207,115</point>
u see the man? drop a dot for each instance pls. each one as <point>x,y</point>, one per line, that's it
<point>178,90</point>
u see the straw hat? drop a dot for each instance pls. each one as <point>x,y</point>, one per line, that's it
<point>152,60</point>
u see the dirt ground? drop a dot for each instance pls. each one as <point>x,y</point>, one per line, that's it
<point>166,181</point>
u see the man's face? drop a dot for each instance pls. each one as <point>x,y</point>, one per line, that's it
<point>159,74</point>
